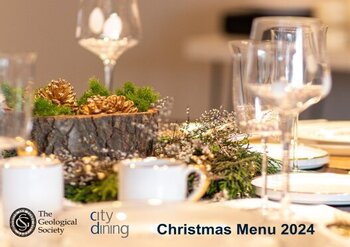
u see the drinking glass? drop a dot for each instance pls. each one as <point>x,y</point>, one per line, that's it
<point>108,28</point>
<point>292,75</point>
<point>282,28</point>
<point>16,81</point>
<point>253,116</point>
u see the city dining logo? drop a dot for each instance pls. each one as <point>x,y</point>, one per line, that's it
<point>22,222</point>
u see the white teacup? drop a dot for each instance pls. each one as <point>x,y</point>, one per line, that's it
<point>35,183</point>
<point>158,179</point>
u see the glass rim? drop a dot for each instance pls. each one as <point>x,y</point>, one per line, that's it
<point>288,19</point>
<point>45,162</point>
<point>31,56</point>
<point>151,162</point>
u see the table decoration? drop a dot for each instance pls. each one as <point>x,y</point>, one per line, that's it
<point>212,141</point>
<point>91,145</point>
<point>98,123</point>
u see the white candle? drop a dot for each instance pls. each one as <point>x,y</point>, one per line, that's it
<point>96,20</point>
<point>113,27</point>
<point>32,182</point>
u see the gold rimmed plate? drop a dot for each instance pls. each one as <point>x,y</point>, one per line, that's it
<point>307,157</point>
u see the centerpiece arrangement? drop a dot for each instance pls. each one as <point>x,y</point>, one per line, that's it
<point>99,123</point>
<point>92,133</point>
<point>212,141</point>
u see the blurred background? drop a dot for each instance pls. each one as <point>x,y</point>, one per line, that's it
<point>183,53</point>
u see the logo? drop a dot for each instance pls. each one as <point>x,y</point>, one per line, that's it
<point>22,222</point>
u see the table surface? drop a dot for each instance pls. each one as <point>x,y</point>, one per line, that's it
<point>338,164</point>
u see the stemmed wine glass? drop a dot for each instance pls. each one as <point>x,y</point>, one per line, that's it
<point>108,28</point>
<point>253,116</point>
<point>293,74</point>
<point>282,28</point>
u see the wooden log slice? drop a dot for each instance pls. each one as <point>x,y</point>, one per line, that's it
<point>100,135</point>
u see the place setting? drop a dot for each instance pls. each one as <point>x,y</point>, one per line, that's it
<point>108,166</point>
<point>332,136</point>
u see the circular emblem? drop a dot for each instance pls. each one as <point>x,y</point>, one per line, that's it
<point>22,222</point>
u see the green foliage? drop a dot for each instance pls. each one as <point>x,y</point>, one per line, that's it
<point>8,153</point>
<point>215,141</point>
<point>44,107</point>
<point>95,88</point>
<point>12,95</point>
<point>234,176</point>
<point>101,190</point>
<point>142,97</point>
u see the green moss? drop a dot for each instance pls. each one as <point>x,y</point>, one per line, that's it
<point>142,97</point>
<point>44,107</point>
<point>95,88</point>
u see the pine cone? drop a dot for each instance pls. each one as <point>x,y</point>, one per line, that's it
<point>110,104</point>
<point>60,92</point>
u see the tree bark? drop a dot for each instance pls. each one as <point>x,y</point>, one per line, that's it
<point>100,135</point>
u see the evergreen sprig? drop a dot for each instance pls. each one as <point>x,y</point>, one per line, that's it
<point>96,191</point>
<point>215,141</point>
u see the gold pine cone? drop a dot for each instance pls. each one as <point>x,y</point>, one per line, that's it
<point>60,92</point>
<point>107,105</point>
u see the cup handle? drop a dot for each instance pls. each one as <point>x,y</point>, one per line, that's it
<point>203,185</point>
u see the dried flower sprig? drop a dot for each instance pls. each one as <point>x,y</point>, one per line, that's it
<point>214,140</point>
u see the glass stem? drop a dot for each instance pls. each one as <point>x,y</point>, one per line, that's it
<point>295,167</point>
<point>108,71</point>
<point>264,196</point>
<point>286,128</point>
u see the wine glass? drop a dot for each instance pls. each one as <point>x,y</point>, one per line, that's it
<point>298,75</point>
<point>253,116</point>
<point>282,28</point>
<point>108,28</point>
<point>16,80</point>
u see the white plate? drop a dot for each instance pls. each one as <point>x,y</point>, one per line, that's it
<point>331,132</point>
<point>332,149</point>
<point>310,188</point>
<point>308,157</point>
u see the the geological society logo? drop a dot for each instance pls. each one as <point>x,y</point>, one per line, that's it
<point>22,222</point>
